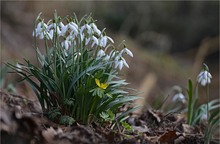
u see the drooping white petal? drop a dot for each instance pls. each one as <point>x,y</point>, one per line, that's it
<point>125,63</point>
<point>73,27</point>
<point>95,29</point>
<point>50,26</point>
<point>204,78</point>
<point>95,41</point>
<point>64,28</point>
<point>38,26</point>
<point>120,64</point>
<point>204,116</point>
<point>100,53</point>
<point>203,82</point>
<point>82,36</point>
<point>127,51</point>
<point>103,41</point>
<point>179,97</point>
<point>74,24</point>
<point>82,29</point>
<point>50,34</point>
<point>89,29</point>
<point>66,43</point>
<point>209,75</point>
<point>41,36</point>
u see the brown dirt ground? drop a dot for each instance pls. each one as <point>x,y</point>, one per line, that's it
<point>22,122</point>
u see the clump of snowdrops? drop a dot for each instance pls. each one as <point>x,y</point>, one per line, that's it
<point>78,76</point>
<point>208,112</point>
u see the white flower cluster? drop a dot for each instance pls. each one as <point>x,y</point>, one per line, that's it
<point>204,78</point>
<point>86,34</point>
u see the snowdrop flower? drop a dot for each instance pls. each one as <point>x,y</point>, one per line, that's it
<point>86,26</point>
<point>66,44</point>
<point>100,53</point>
<point>120,62</point>
<point>64,28</point>
<point>40,30</point>
<point>50,26</point>
<point>82,36</point>
<point>179,97</point>
<point>95,41</point>
<point>204,78</point>
<point>127,51</point>
<point>50,34</point>
<point>95,29</point>
<point>73,27</point>
<point>41,35</point>
<point>204,116</point>
<point>103,41</point>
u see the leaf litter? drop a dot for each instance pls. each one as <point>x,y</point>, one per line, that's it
<point>22,121</point>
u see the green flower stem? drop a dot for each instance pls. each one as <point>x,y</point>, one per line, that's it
<point>207,110</point>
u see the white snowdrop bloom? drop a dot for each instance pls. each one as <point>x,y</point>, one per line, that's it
<point>50,26</point>
<point>64,28</point>
<point>40,29</point>
<point>58,31</point>
<point>95,41</point>
<point>204,116</point>
<point>95,29</point>
<point>127,51</point>
<point>50,34</point>
<point>66,44</point>
<point>41,35</point>
<point>73,27</point>
<point>100,53</point>
<point>103,41</point>
<point>179,97</point>
<point>204,78</point>
<point>124,62</point>
<point>120,62</point>
<point>86,26</point>
<point>89,29</point>
<point>82,36</point>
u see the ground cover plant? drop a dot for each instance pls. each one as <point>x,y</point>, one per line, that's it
<point>84,99</point>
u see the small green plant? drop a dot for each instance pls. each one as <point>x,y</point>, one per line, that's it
<point>78,76</point>
<point>208,111</point>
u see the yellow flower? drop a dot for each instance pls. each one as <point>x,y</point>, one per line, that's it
<point>101,85</point>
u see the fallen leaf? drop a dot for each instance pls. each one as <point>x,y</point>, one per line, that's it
<point>168,137</point>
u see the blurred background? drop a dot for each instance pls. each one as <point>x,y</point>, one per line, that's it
<point>170,40</point>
